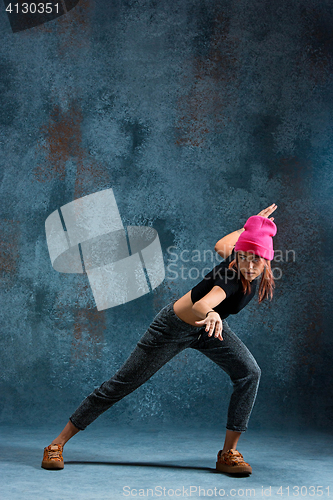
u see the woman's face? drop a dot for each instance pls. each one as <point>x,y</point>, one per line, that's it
<point>250,265</point>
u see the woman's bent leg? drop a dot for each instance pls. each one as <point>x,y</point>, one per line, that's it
<point>237,361</point>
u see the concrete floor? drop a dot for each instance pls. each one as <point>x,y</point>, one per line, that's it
<point>101,463</point>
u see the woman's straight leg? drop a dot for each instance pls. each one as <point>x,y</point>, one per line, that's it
<point>161,342</point>
<point>165,338</point>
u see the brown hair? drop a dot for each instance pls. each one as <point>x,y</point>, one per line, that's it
<point>267,283</point>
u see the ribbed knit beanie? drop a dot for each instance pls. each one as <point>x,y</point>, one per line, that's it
<point>258,237</point>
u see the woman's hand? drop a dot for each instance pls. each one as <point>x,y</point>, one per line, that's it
<point>212,322</point>
<point>268,211</point>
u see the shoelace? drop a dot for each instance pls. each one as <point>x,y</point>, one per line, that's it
<point>54,454</point>
<point>236,456</point>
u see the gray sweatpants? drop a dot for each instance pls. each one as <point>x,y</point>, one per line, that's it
<point>167,336</point>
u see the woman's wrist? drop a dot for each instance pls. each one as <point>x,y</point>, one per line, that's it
<point>212,311</point>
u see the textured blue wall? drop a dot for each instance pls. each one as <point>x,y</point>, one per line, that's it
<point>198,114</point>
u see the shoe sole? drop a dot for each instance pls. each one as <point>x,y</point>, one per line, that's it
<point>50,465</point>
<point>234,469</point>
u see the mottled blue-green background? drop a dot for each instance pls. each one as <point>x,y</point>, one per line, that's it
<point>199,114</point>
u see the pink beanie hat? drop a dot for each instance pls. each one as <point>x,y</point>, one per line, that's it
<point>257,237</point>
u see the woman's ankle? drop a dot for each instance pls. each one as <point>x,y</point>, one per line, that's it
<point>58,441</point>
<point>66,434</point>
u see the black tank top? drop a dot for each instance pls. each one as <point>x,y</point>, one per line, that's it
<point>228,280</point>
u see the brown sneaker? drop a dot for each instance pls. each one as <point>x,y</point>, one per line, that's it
<point>52,458</point>
<point>232,461</point>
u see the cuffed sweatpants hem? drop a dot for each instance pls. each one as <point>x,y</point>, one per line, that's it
<point>75,424</point>
<point>236,429</point>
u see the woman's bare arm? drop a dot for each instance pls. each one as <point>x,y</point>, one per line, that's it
<point>226,244</point>
<point>204,306</point>
<point>210,300</point>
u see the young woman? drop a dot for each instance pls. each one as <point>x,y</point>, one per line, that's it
<point>197,320</point>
